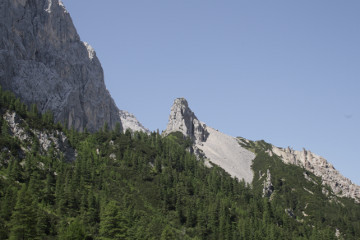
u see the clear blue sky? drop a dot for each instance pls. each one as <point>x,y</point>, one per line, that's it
<point>284,71</point>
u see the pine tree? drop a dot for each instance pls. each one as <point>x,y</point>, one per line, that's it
<point>24,217</point>
<point>113,224</point>
<point>168,234</point>
<point>3,229</point>
<point>75,231</point>
<point>42,224</point>
<point>117,130</point>
<point>5,129</point>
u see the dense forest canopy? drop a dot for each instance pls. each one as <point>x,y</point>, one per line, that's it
<point>139,186</point>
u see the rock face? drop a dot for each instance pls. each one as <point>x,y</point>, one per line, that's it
<point>129,121</point>
<point>268,186</point>
<point>43,61</point>
<point>46,139</point>
<point>340,185</point>
<point>218,148</point>
<point>183,120</point>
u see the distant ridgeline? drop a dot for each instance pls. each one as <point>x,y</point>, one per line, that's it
<point>57,183</point>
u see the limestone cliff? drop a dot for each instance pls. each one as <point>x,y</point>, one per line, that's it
<point>217,148</point>
<point>183,120</point>
<point>43,61</point>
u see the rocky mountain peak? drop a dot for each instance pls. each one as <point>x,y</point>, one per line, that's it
<point>183,120</point>
<point>216,147</point>
<point>43,61</point>
<point>181,102</point>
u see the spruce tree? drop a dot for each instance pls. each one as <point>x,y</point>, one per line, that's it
<point>113,224</point>
<point>23,218</point>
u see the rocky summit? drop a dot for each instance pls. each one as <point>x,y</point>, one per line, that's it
<point>43,61</point>
<point>183,120</point>
<point>217,148</point>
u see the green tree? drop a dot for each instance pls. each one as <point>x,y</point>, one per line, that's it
<point>117,129</point>
<point>106,127</point>
<point>4,129</point>
<point>168,234</point>
<point>34,112</point>
<point>48,118</point>
<point>113,224</point>
<point>75,231</point>
<point>24,216</point>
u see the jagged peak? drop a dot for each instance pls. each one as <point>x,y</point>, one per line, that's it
<point>216,147</point>
<point>181,101</point>
<point>183,120</point>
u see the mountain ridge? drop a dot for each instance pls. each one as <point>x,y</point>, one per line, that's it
<point>44,61</point>
<point>151,186</point>
<point>223,150</point>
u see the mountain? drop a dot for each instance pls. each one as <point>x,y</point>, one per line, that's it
<point>218,148</point>
<point>233,156</point>
<point>59,183</point>
<point>191,182</point>
<point>44,61</point>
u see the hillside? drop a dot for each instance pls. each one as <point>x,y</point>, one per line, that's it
<point>232,155</point>
<point>140,186</point>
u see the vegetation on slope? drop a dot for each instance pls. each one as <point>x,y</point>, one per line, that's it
<point>139,186</point>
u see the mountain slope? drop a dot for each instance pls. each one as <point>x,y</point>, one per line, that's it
<point>216,147</point>
<point>43,61</point>
<point>145,186</point>
<point>341,185</point>
<point>232,155</point>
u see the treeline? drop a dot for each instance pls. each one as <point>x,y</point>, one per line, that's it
<point>132,186</point>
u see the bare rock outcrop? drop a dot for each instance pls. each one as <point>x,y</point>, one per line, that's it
<point>217,147</point>
<point>268,186</point>
<point>129,121</point>
<point>43,61</point>
<point>318,165</point>
<point>46,139</point>
<point>183,120</point>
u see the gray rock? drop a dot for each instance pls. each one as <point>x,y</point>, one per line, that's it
<point>129,121</point>
<point>214,146</point>
<point>43,61</point>
<point>318,165</point>
<point>183,120</point>
<point>47,139</point>
<point>268,186</point>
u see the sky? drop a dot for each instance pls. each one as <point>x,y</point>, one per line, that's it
<point>287,72</point>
